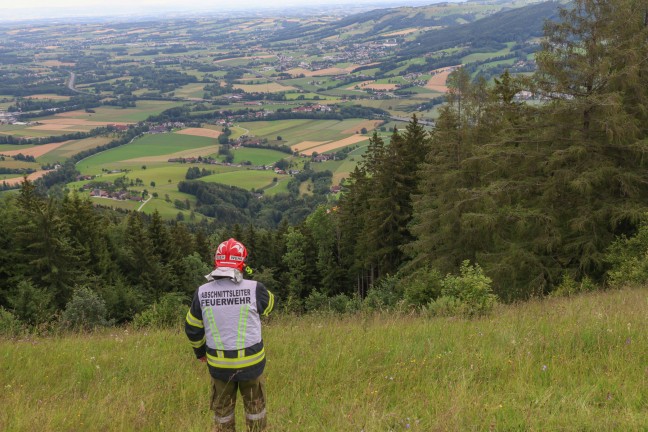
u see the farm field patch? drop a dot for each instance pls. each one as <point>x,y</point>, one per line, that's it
<point>51,96</point>
<point>296,131</point>
<point>308,144</point>
<point>12,181</point>
<point>271,87</point>
<point>372,85</point>
<point>203,132</point>
<point>246,179</point>
<point>439,78</point>
<point>336,144</point>
<point>258,156</point>
<point>70,148</point>
<point>35,151</point>
<point>368,124</point>
<point>189,91</point>
<point>148,146</point>
<point>192,153</point>
<point>143,110</point>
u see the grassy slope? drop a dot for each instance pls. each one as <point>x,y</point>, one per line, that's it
<point>563,364</point>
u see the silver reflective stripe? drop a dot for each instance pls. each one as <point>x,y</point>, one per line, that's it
<point>242,327</point>
<point>218,344</point>
<point>258,416</point>
<point>223,420</point>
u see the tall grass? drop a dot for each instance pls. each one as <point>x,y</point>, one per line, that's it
<point>557,364</point>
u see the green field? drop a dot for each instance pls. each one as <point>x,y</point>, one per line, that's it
<point>143,110</point>
<point>71,148</point>
<point>190,91</point>
<point>574,364</point>
<point>25,131</point>
<point>147,146</point>
<point>258,156</point>
<point>295,131</point>
<point>245,179</point>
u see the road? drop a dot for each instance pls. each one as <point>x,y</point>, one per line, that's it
<point>144,203</point>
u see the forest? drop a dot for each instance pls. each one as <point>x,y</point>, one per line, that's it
<point>503,201</point>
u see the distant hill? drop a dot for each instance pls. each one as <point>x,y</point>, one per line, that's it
<point>373,24</point>
<point>515,25</point>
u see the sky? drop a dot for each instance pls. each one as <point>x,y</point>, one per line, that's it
<point>37,9</point>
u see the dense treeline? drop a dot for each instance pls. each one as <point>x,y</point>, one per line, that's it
<point>184,114</point>
<point>534,193</point>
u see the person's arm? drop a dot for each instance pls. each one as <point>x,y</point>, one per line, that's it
<point>195,329</point>
<point>265,299</point>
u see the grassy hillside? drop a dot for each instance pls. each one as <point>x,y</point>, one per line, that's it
<point>558,364</point>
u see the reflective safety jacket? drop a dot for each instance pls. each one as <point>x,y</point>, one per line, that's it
<point>224,323</point>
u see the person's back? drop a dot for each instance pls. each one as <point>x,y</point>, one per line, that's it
<point>224,327</point>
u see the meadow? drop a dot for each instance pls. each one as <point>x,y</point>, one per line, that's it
<point>148,146</point>
<point>141,112</point>
<point>556,364</point>
<point>293,132</point>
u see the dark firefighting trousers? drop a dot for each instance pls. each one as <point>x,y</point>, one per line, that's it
<point>223,403</point>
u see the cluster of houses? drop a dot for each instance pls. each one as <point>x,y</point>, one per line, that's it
<point>7,118</point>
<point>120,195</point>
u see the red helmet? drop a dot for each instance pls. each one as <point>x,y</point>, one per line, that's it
<point>231,253</point>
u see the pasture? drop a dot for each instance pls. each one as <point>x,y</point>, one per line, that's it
<point>557,364</point>
<point>271,87</point>
<point>146,147</point>
<point>245,179</point>
<point>109,114</point>
<point>294,132</point>
<point>258,156</point>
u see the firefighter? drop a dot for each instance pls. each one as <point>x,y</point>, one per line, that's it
<point>224,328</point>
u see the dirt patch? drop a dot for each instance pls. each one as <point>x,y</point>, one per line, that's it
<point>35,151</point>
<point>439,78</point>
<point>336,144</point>
<point>369,124</point>
<point>209,133</point>
<point>18,180</point>
<point>308,144</point>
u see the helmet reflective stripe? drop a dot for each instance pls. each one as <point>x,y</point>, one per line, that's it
<point>242,327</point>
<point>236,363</point>
<point>257,416</point>
<point>218,344</point>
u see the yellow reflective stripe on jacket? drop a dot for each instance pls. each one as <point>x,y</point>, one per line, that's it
<point>270,305</point>
<point>198,344</point>
<point>236,363</point>
<point>192,320</point>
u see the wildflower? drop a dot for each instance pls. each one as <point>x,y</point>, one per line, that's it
<point>544,368</point>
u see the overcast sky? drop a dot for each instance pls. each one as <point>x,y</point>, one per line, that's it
<point>32,9</point>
